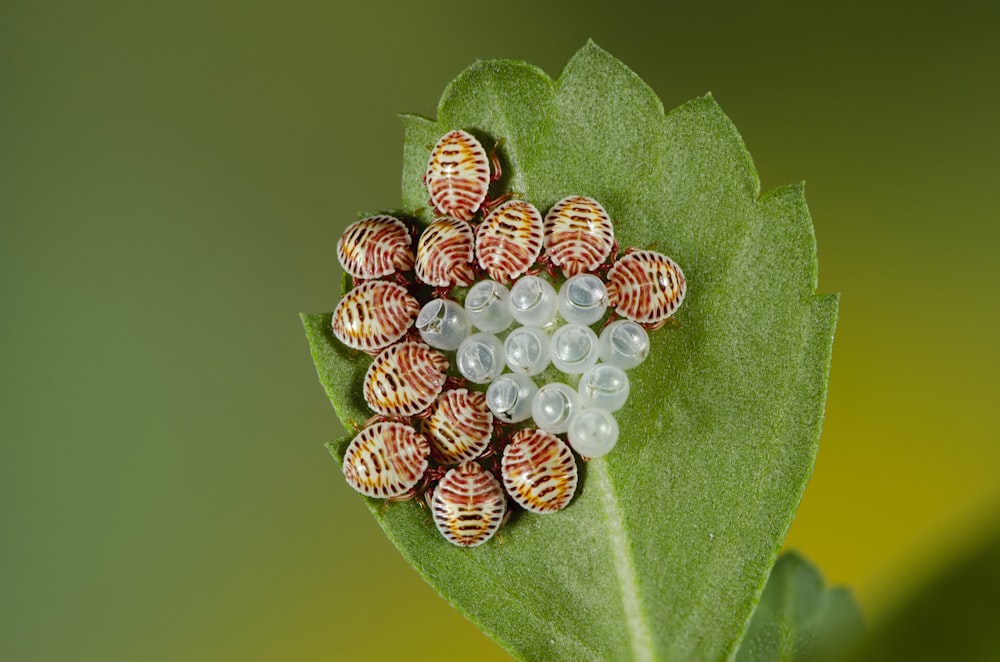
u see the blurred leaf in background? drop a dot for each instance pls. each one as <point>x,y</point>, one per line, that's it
<point>799,619</point>
<point>956,616</point>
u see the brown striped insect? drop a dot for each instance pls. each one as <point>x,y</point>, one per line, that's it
<point>405,379</point>
<point>509,241</point>
<point>374,315</point>
<point>374,247</point>
<point>539,471</point>
<point>445,254</point>
<point>646,287</point>
<point>386,460</point>
<point>468,505</point>
<point>579,235</point>
<point>458,175</point>
<point>459,426</point>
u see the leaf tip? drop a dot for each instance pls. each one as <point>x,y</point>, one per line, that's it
<point>592,45</point>
<point>337,448</point>
<point>708,104</point>
<point>411,117</point>
<point>331,447</point>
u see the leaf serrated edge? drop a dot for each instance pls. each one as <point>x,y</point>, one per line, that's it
<point>817,302</point>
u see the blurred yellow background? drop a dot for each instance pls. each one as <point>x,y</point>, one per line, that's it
<point>173,179</point>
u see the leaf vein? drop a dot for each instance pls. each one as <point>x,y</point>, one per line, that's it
<point>488,571</point>
<point>635,619</point>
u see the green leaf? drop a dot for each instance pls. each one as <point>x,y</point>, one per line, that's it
<point>954,617</point>
<point>665,550</point>
<point>799,619</point>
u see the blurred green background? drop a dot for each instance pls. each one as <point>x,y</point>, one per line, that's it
<point>173,179</point>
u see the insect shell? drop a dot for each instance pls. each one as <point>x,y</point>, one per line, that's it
<point>374,247</point>
<point>468,505</point>
<point>386,460</point>
<point>458,175</point>
<point>405,379</point>
<point>374,315</point>
<point>539,471</point>
<point>445,254</point>
<point>646,287</point>
<point>459,426</point>
<point>578,235</point>
<point>510,239</point>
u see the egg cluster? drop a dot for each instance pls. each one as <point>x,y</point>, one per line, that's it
<point>464,327</point>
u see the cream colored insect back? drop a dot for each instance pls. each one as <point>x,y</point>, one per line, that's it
<point>459,426</point>
<point>646,287</point>
<point>578,235</point>
<point>539,471</point>
<point>374,247</point>
<point>510,240</point>
<point>445,254</point>
<point>458,175</point>
<point>386,460</point>
<point>468,505</point>
<point>374,315</point>
<point>405,379</point>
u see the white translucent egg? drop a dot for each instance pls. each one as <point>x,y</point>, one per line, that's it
<point>533,301</point>
<point>593,432</point>
<point>554,406</point>
<point>488,306</point>
<point>583,299</point>
<point>605,387</point>
<point>624,344</point>
<point>480,358</point>
<point>574,349</point>
<point>510,396</point>
<point>443,324</point>
<point>527,350</point>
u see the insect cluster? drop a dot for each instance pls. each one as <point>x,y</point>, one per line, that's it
<point>493,298</point>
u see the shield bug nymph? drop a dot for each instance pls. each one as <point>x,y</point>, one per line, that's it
<point>374,247</point>
<point>579,235</point>
<point>405,379</point>
<point>374,315</point>
<point>445,254</point>
<point>468,505</point>
<point>459,426</point>
<point>646,287</point>
<point>386,460</point>
<point>458,175</point>
<point>510,239</point>
<point>539,471</point>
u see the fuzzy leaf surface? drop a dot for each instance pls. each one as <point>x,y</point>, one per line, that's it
<point>665,550</point>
